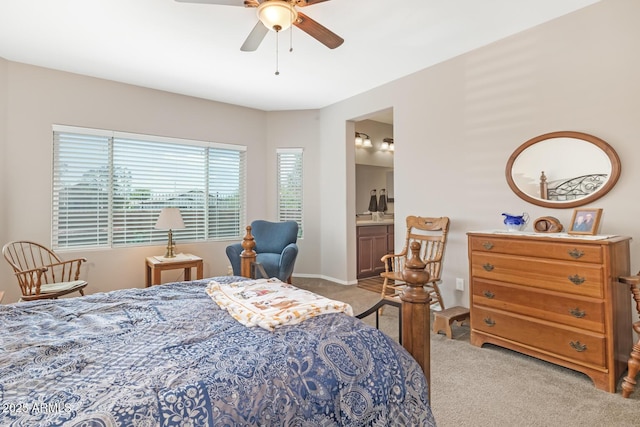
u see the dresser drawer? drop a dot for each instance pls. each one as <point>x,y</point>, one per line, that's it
<point>577,346</point>
<point>584,313</point>
<point>560,251</point>
<point>565,277</point>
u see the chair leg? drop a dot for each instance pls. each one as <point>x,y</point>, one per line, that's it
<point>384,287</point>
<point>384,291</point>
<point>436,292</point>
<point>629,382</point>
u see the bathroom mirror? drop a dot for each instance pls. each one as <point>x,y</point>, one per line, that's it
<point>563,169</point>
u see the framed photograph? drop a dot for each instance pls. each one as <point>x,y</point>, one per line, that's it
<point>585,221</point>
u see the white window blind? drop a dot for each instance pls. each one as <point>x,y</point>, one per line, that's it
<point>81,190</point>
<point>226,189</point>
<point>109,188</point>
<point>290,186</point>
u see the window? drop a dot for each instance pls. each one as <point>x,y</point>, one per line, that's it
<point>109,188</point>
<point>290,186</point>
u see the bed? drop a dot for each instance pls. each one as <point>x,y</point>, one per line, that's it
<point>169,355</point>
<point>571,188</point>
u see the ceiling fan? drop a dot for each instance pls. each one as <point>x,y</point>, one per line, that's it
<point>278,15</point>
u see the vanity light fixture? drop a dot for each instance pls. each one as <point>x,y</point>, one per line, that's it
<point>387,145</point>
<point>363,140</point>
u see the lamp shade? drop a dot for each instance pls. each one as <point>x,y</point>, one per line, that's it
<point>169,219</point>
<point>277,15</point>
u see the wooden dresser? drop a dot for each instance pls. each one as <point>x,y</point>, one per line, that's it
<point>554,298</point>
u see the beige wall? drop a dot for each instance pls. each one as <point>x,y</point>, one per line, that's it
<point>455,125</point>
<point>298,129</point>
<point>3,143</point>
<point>36,98</point>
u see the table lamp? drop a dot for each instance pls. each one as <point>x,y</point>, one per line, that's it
<point>171,219</point>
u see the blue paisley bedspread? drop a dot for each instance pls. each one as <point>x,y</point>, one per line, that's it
<point>168,356</point>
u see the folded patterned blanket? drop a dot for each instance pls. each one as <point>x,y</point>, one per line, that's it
<point>270,303</point>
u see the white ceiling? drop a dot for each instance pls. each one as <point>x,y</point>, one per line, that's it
<point>194,49</point>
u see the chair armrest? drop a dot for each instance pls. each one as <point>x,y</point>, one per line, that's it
<point>30,280</point>
<point>82,259</point>
<point>394,262</point>
<point>38,270</point>
<point>289,253</point>
<point>629,280</point>
<point>64,271</point>
<point>388,257</point>
<point>233,254</point>
<point>288,260</point>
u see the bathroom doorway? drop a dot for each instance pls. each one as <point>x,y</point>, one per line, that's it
<point>374,147</point>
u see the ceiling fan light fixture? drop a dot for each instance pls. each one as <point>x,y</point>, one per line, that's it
<point>277,15</point>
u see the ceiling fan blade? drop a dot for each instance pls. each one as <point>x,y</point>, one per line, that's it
<point>318,32</point>
<point>254,38</point>
<point>222,2</point>
<point>303,3</point>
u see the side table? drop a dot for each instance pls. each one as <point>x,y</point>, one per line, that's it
<point>156,265</point>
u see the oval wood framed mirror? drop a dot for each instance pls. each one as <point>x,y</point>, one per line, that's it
<point>563,169</point>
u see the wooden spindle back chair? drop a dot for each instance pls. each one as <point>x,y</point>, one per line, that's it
<point>431,233</point>
<point>41,273</point>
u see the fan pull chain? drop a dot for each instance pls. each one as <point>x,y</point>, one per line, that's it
<point>291,39</point>
<point>277,54</point>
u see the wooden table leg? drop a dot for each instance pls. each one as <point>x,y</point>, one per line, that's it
<point>199,271</point>
<point>148,280</point>
<point>187,274</point>
<point>157,275</point>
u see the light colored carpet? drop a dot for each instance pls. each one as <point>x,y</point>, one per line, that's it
<point>495,387</point>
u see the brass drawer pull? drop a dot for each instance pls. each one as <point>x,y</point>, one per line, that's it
<point>577,346</point>
<point>576,253</point>
<point>576,312</point>
<point>489,321</point>
<point>576,280</point>
<point>488,294</point>
<point>487,267</point>
<point>487,245</point>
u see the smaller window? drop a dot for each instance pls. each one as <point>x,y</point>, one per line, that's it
<point>290,186</point>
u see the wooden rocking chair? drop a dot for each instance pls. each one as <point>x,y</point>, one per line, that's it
<point>41,273</point>
<point>431,233</point>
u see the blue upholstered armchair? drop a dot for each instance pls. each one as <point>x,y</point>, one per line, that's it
<point>276,248</point>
